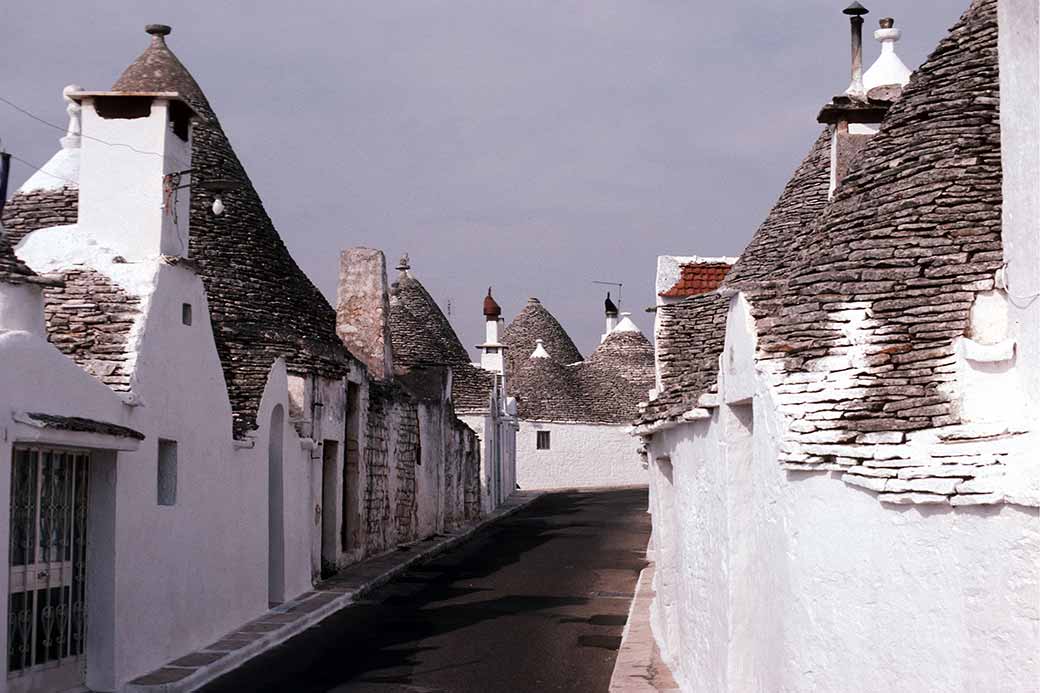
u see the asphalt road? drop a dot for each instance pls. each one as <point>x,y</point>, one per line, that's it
<point>536,602</point>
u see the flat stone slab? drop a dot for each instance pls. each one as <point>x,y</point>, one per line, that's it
<point>197,659</point>
<point>163,676</point>
<point>230,644</point>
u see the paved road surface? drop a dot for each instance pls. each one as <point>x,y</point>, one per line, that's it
<point>536,602</point>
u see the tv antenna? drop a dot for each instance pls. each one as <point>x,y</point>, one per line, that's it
<point>617,284</point>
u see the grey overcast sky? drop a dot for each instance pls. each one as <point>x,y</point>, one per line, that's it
<point>534,146</point>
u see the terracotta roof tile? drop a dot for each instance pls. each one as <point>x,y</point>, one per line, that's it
<point>697,278</point>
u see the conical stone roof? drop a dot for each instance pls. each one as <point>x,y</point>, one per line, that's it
<point>532,323</point>
<point>262,306</point>
<point>628,355</point>
<point>419,330</point>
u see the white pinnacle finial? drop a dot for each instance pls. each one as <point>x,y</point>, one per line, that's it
<point>539,350</point>
<point>626,324</point>
<point>888,69</point>
<point>73,135</point>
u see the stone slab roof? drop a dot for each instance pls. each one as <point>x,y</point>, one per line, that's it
<point>419,330</point>
<point>30,211</point>
<point>262,306</point>
<point>89,319</point>
<point>12,270</point>
<point>422,336</point>
<point>471,387</point>
<point>775,246</point>
<point>886,277</point>
<point>605,389</point>
<point>859,317</point>
<point>628,355</point>
<point>691,335</point>
<point>532,323</point>
<point>697,278</point>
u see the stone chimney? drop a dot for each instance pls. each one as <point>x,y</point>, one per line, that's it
<point>857,114</point>
<point>363,309</point>
<point>611,311</point>
<point>134,196</point>
<point>491,349</point>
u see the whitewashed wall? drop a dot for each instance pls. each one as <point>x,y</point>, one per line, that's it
<point>581,455</point>
<point>770,580</point>
<point>498,436</point>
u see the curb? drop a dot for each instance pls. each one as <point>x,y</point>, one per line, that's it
<point>639,667</point>
<point>282,623</point>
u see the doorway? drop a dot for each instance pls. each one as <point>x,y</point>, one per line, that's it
<point>47,563</point>
<point>350,530</point>
<point>329,469</point>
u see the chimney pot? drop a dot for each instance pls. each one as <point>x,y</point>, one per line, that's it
<point>887,23</point>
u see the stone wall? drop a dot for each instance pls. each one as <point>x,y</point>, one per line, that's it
<point>421,467</point>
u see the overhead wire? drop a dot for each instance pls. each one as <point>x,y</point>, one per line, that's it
<point>30,114</point>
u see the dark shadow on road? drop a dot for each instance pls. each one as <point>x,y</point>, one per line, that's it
<point>385,639</point>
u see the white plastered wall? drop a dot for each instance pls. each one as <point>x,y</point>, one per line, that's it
<point>580,455</point>
<point>1019,48</point>
<point>787,581</point>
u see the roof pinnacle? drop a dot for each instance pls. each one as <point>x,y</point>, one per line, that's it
<point>158,31</point>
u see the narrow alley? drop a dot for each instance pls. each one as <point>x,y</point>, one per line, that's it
<point>536,602</point>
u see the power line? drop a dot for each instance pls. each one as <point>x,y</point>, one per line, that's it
<point>59,128</point>
<point>37,168</point>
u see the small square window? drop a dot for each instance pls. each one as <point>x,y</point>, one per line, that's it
<point>167,472</point>
<point>186,313</point>
<point>492,350</point>
<point>542,443</point>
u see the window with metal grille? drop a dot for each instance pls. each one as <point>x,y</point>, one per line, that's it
<point>167,472</point>
<point>542,442</point>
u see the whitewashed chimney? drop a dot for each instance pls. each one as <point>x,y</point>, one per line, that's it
<point>491,349</point>
<point>134,171</point>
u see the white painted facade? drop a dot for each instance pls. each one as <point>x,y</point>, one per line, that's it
<point>254,521</point>
<point>770,579</point>
<point>580,455</point>
<point>774,579</point>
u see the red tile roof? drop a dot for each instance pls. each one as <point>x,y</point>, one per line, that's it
<point>697,278</point>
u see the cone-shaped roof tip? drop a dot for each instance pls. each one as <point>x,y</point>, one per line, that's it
<point>855,9</point>
<point>491,307</point>
<point>158,30</point>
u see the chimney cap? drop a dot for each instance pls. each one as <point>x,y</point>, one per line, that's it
<point>403,264</point>
<point>609,306</point>
<point>491,308</point>
<point>855,9</point>
<point>158,29</point>
<point>886,23</point>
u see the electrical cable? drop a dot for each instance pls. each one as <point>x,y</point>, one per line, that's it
<point>49,124</point>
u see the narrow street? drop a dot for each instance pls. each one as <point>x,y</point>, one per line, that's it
<point>536,602</point>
